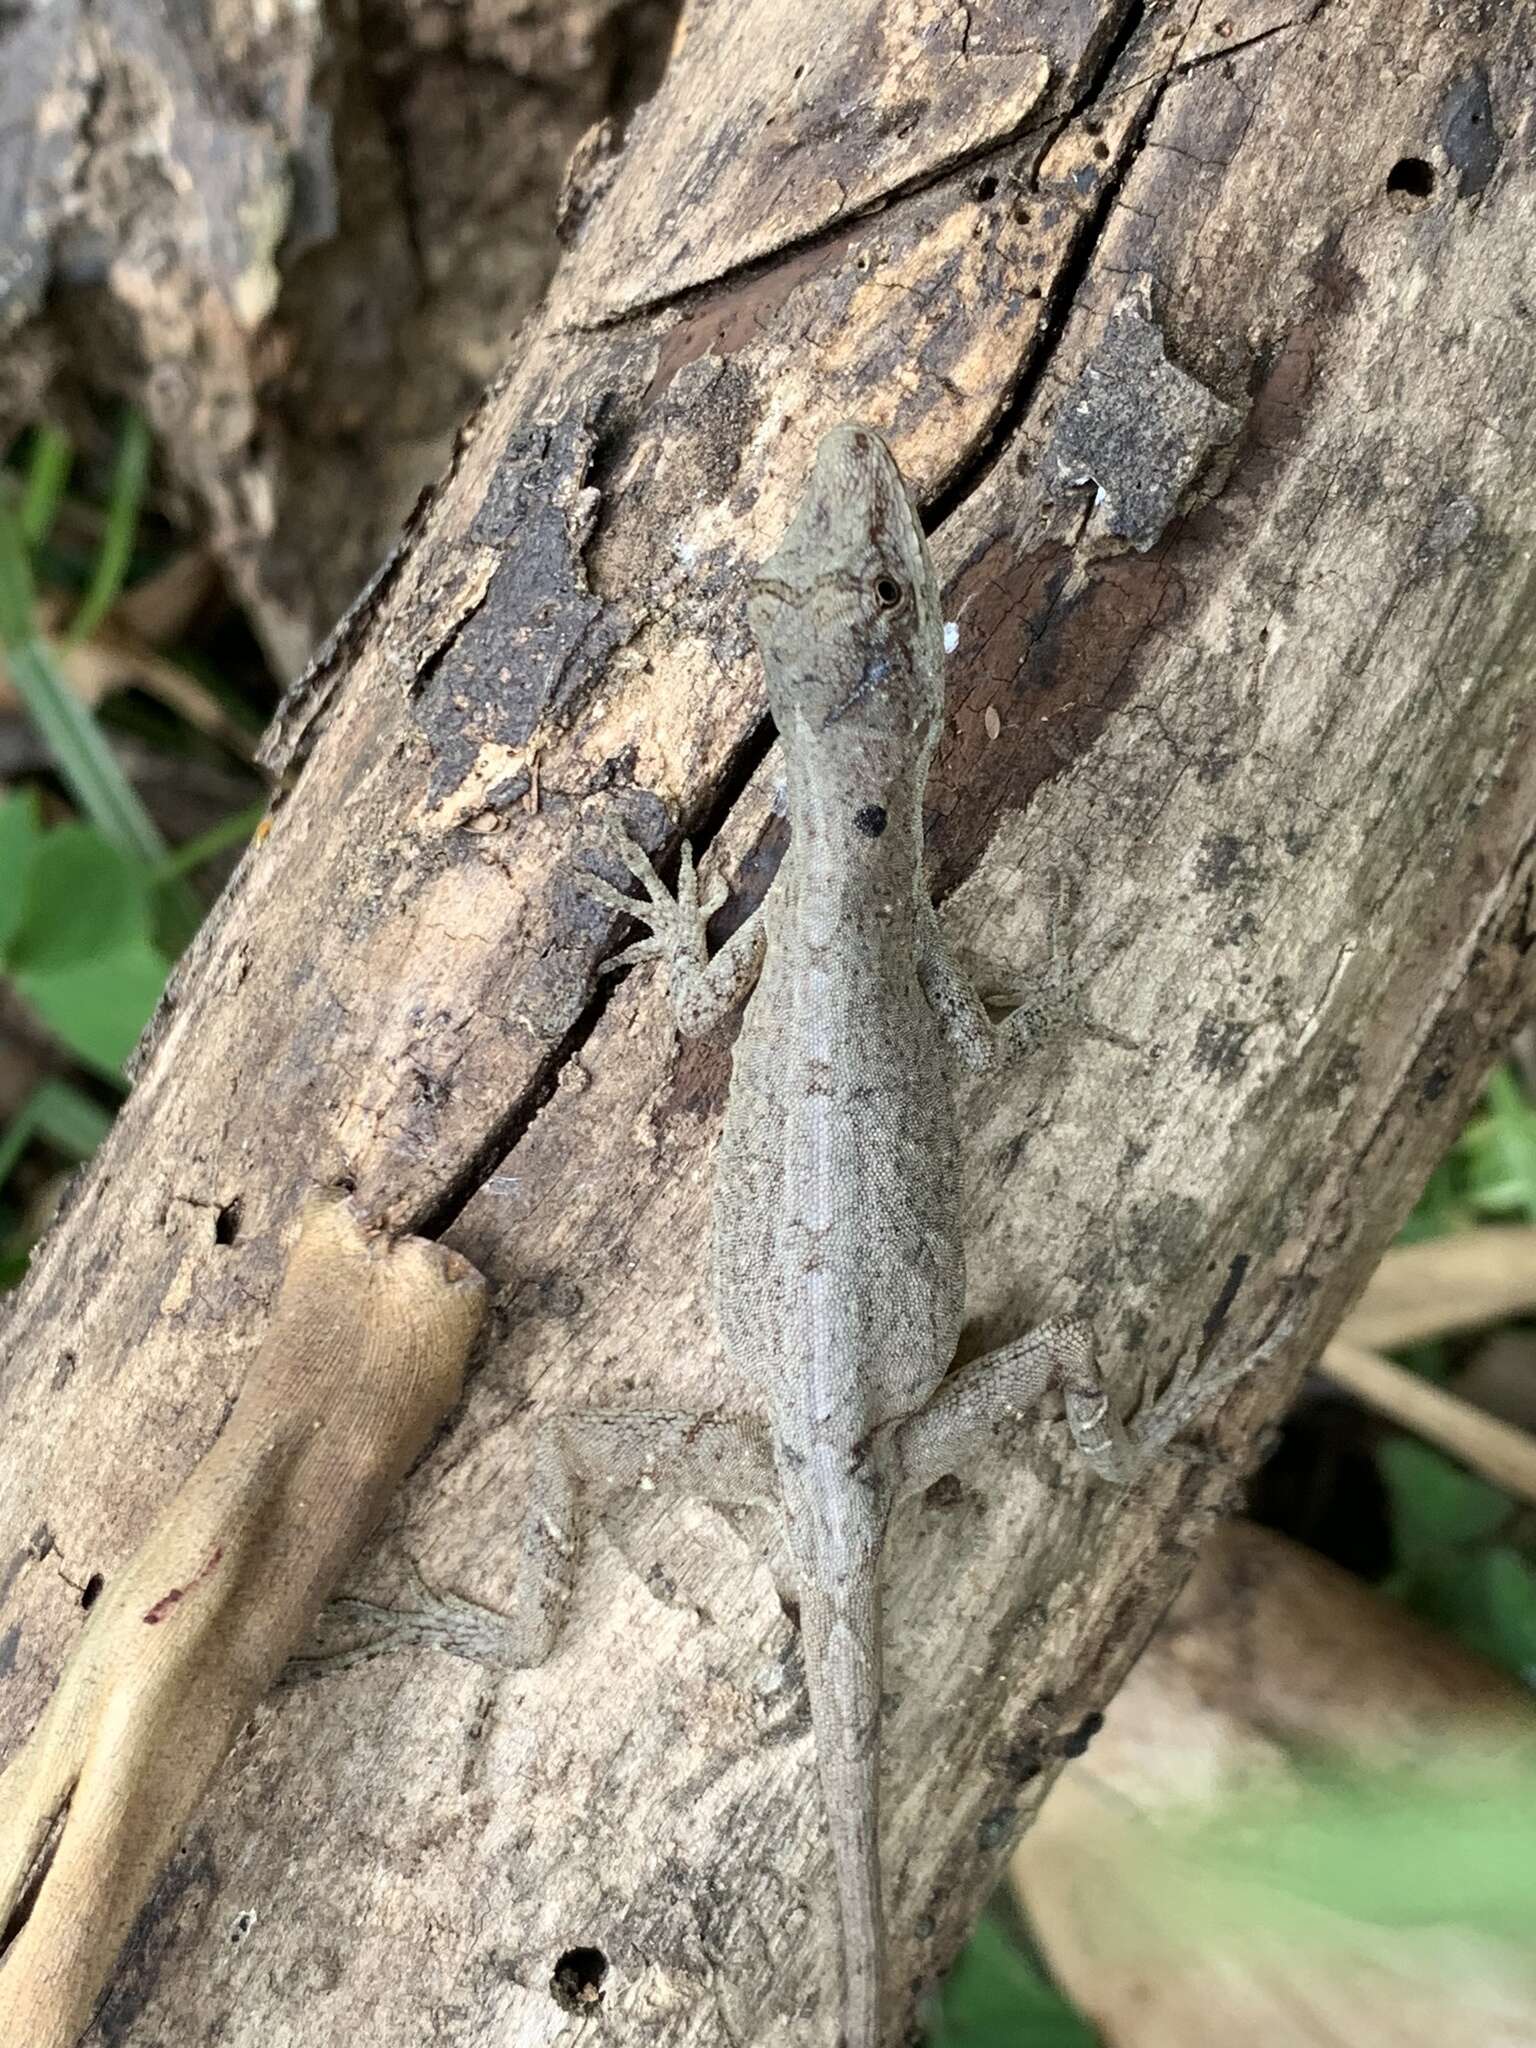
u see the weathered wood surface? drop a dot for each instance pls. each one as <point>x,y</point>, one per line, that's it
<point>297,239</point>
<point>1275,763</point>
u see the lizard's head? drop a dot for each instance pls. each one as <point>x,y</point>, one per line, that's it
<point>846,612</point>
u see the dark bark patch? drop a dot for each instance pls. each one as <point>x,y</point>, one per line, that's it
<point>1148,439</point>
<point>733,318</point>
<point>1224,859</point>
<point>540,638</point>
<point>1076,1743</point>
<point>994,1828</point>
<point>1221,1047</point>
<point>1338,1079</point>
<point>1291,373</point>
<point>1468,134</point>
<point>175,1917</point>
<point>1236,1274</point>
<point>12,1571</point>
<point>1451,526</point>
<point>1048,651</point>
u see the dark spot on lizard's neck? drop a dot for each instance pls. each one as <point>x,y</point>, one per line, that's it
<point>871,820</point>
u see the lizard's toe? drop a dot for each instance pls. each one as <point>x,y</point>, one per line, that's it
<point>638,861</point>
<point>632,956</point>
<point>605,893</point>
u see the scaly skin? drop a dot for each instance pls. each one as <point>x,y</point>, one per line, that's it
<point>838,1269</point>
<point>839,1275</point>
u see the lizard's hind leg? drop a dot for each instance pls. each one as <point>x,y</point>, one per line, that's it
<point>988,1399</point>
<point>583,1464</point>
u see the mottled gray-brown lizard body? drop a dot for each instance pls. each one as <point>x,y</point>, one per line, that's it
<point>838,1268</point>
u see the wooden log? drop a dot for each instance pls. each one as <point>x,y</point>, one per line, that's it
<point>1207,346</point>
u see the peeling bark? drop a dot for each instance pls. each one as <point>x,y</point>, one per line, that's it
<point>1265,778</point>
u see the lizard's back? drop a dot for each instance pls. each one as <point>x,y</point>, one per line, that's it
<point>838,1269</point>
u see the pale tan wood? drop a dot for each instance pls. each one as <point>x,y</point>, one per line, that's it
<point>1495,1450</point>
<point>1273,763</point>
<point>364,1359</point>
<point>1445,1286</point>
<point>1272,1662</point>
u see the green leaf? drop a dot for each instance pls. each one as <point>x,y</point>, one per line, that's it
<point>130,474</point>
<point>233,830</point>
<point>48,461</point>
<point>99,1007</point>
<point>60,1114</point>
<point>1509,1589</point>
<point>1485,1598</point>
<point>1394,1848</point>
<point>1434,1504</point>
<point>1500,1148</point>
<point>1489,1171</point>
<point>20,835</point>
<point>84,898</point>
<point>1443,1206</point>
<point>63,723</point>
<point>995,1997</point>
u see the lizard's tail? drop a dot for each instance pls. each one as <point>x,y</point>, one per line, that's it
<point>841,1634</point>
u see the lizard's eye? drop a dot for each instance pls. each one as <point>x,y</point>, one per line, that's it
<point>888,592</point>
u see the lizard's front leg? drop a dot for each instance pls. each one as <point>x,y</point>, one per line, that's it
<point>582,1463</point>
<point>702,990</point>
<point>989,1397</point>
<point>977,1044</point>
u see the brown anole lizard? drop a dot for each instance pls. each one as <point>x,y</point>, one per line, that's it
<point>838,1269</point>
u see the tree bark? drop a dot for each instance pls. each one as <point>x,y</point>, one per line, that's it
<point>1226,425</point>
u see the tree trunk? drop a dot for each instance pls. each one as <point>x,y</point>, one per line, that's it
<point>1208,344</point>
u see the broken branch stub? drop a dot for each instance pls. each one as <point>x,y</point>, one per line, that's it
<point>364,1357</point>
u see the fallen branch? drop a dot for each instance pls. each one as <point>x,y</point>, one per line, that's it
<point>1273,1668</point>
<point>1483,1443</point>
<point>1227,440</point>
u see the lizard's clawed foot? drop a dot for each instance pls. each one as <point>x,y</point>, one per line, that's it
<point>1158,1421</point>
<point>1052,1006</point>
<point>677,923</point>
<point>443,1621</point>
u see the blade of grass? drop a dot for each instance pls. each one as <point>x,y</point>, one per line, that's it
<point>68,730</point>
<point>48,464</point>
<point>63,1114</point>
<point>130,474</point>
<point>231,831</point>
<point>73,738</point>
